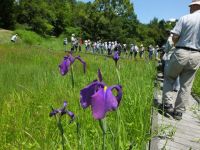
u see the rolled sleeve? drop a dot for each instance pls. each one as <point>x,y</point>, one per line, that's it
<point>177,29</point>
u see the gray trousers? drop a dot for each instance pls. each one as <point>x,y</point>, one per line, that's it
<point>183,63</point>
<point>176,85</point>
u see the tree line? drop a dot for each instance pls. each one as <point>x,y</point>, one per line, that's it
<point>109,20</point>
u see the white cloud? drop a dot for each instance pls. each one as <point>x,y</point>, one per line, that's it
<point>172,20</point>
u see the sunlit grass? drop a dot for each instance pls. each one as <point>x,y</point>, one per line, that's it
<point>30,83</point>
<point>196,86</point>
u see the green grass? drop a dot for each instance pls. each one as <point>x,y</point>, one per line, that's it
<point>31,38</point>
<point>196,87</point>
<point>30,83</point>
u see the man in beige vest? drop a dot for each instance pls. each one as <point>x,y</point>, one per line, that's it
<point>184,62</point>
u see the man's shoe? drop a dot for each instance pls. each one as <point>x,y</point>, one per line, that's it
<point>175,90</point>
<point>177,115</point>
<point>168,108</point>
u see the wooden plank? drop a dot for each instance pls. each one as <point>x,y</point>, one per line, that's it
<point>186,142</point>
<point>184,125</point>
<point>187,131</point>
<point>154,142</point>
<point>179,142</point>
<point>172,145</point>
<point>189,136</point>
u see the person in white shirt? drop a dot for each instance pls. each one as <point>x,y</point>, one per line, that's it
<point>132,50</point>
<point>151,50</point>
<point>169,49</point>
<point>94,47</point>
<point>109,48</point>
<point>86,45</point>
<point>73,42</point>
<point>156,52</point>
<point>136,50</point>
<point>141,50</point>
<point>125,49</point>
<point>14,38</point>
<point>65,44</point>
<point>184,62</point>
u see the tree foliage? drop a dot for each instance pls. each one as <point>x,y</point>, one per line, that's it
<point>109,20</point>
<point>7,14</point>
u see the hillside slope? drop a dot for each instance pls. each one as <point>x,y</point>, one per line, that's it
<point>5,35</point>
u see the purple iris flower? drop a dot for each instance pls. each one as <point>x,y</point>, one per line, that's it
<point>68,61</point>
<point>62,111</point>
<point>100,97</point>
<point>116,57</point>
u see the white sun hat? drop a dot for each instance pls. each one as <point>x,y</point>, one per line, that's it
<point>195,2</point>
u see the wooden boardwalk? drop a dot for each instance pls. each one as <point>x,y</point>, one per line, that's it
<point>169,134</point>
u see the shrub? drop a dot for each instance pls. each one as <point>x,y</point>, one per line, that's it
<point>29,37</point>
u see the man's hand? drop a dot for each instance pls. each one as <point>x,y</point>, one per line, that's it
<point>175,38</point>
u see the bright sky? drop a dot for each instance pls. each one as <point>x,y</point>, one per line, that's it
<point>146,10</point>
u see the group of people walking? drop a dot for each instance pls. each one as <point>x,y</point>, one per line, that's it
<point>182,58</point>
<point>109,47</point>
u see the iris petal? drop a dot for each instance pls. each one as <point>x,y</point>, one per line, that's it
<point>103,101</point>
<point>65,104</point>
<point>54,112</point>
<point>100,97</point>
<point>64,66</point>
<point>100,75</point>
<point>111,101</point>
<point>71,59</point>
<point>71,115</point>
<point>67,62</point>
<point>83,62</point>
<point>86,94</point>
<point>62,111</point>
<point>98,104</point>
<point>119,92</point>
<point>116,56</point>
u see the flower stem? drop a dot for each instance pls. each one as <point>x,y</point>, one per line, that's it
<point>102,123</point>
<point>78,132</point>
<point>72,76</point>
<point>60,127</point>
<point>118,129</point>
<point>116,64</point>
<point>118,75</point>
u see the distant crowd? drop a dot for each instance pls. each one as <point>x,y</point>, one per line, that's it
<point>109,47</point>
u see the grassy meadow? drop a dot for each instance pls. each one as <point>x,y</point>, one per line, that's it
<point>31,83</point>
<point>196,86</point>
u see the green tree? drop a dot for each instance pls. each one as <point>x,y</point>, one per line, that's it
<point>62,9</point>
<point>157,31</point>
<point>7,14</point>
<point>37,15</point>
<point>108,20</point>
<point>113,20</point>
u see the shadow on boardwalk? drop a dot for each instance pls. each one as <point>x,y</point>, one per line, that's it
<point>169,134</point>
